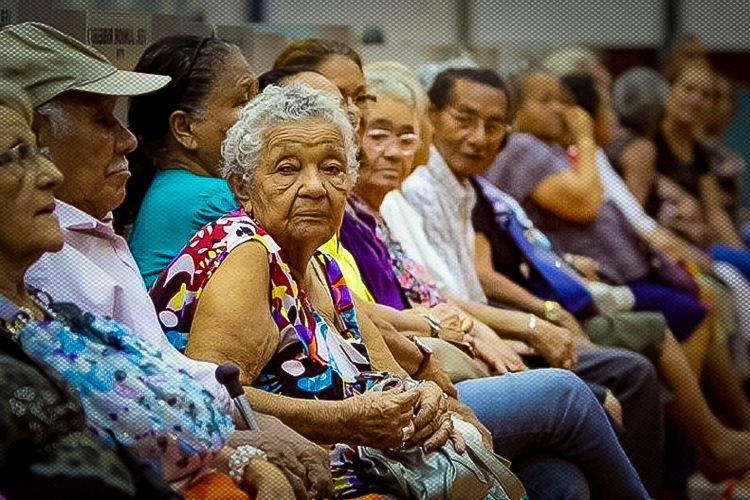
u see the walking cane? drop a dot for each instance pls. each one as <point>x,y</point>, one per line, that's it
<point>228,375</point>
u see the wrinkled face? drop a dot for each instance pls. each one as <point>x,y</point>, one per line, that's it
<point>469,131</point>
<point>388,146</point>
<point>542,109</point>
<point>301,183</point>
<point>28,226</point>
<point>690,96</point>
<point>234,87</point>
<point>90,153</point>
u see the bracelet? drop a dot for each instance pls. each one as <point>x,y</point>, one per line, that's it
<point>239,460</point>
<point>435,325</point>
<point>532,324</point>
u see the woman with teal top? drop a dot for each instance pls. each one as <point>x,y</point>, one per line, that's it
<point>176,187</point>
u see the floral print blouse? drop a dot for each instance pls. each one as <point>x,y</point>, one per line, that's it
<point>130,394</point>
<point>413,278</point>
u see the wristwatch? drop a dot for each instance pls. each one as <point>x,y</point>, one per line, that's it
<point>426,354</point>
<point>435,326</point>
<point>552,311</point>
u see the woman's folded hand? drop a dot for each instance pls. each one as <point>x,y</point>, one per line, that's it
<point>380,419</point>
<point>432,423</point>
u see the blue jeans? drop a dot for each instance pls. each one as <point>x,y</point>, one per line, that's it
<point>553,411</point>
<point>738,257</point>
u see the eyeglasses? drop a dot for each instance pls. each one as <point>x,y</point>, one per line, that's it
<point>379,138</point>
<point>23,154</point>
<point>470,121</point>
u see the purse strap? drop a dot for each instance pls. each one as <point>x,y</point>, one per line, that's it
<point>499,468</point>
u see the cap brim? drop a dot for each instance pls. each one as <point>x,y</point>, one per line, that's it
<point>125,83</point>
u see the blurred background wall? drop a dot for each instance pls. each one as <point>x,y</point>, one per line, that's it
<point>506,35</point>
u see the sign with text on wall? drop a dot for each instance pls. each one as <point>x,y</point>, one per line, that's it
<point>121,37</point>
<point>8,12</point>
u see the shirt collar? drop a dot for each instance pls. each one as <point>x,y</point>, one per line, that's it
<point>73,219</point>
<point>441,172</point>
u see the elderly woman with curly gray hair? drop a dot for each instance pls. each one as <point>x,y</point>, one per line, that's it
<point>253,288</point>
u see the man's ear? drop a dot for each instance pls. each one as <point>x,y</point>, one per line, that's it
<point>180,125</point>
<point>241,190</point>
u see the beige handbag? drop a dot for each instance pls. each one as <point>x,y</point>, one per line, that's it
<point>442,474</point>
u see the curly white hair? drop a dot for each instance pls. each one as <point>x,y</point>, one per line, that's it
<point>241,150</point>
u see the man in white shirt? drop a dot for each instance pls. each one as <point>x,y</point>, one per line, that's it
<point>74,90</point>
<point>469,112</point>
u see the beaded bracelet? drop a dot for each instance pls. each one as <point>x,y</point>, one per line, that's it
<point>240,458</point>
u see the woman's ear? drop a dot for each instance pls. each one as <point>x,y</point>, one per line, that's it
<point>241,190</point>
<point>180,125</point>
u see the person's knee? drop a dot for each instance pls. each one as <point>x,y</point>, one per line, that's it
<point>639,369</point>
<point>554,381</point>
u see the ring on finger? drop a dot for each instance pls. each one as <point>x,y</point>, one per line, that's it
<point>407,432</point>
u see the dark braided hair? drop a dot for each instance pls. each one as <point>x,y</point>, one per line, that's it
<point>193,63</point>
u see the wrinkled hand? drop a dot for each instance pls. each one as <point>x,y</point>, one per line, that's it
<point>579,123</point>
<point>377,418</point>
<point>454,324</point>
<point>588,267</point>
<point>493,351</point>
<point>555,345</point>
<point>434,372</point>
<point>263,481</point>
<point>305,464</point>
<point>432,423</point>
<point>570,323</point>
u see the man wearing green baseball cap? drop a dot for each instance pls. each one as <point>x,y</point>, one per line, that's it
<point>73,90</point>
<point>46,63</point>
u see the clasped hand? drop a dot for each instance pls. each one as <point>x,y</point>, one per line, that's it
<point>383,419</point>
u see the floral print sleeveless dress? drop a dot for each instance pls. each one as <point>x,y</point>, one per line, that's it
<point>314,360</point>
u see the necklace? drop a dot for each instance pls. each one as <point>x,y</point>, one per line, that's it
<point>14,318</point>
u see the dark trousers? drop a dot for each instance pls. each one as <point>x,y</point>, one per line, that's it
<point>633,381</point>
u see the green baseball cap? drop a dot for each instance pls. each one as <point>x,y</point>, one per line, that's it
<point>14,97</point>
<point>46,63</point>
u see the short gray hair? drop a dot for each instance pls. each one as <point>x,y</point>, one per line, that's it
<point>295,102</point>
<point>640,98</point>
<point>59,119</point>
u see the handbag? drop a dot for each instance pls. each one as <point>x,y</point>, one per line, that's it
<point>550,277</point>
<point>443,474</point>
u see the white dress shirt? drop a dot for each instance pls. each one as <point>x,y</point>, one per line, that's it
<point>445,204</point>
<point>407,226</point>
<point>96,271</point>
